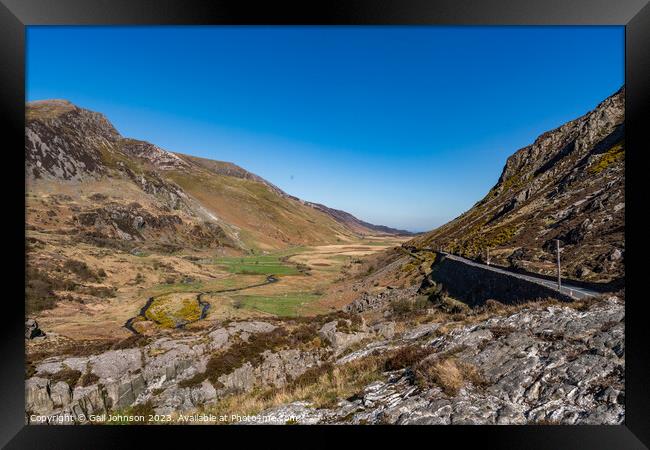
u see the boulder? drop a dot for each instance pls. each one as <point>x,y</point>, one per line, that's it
<point>340,340</point>
<point>32,330</point>
<point>615,255</point>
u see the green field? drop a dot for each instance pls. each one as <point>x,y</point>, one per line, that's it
<point>284,305</point>
<point>204,286</point>
<point>262,264</point>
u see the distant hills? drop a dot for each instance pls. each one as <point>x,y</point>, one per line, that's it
<point>147,195</point>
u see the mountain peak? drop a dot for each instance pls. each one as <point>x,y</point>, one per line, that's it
<point>568,185</point>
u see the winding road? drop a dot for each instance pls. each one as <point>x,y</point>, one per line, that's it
<point>567,289</point>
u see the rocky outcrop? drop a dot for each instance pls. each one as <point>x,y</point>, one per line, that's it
<point>157,157</point>
<point>550,365</point>
<point>341,334</point>
<point>133,223</point>
<point>120,378</point>
<point>367,301</point>
<point>32,330</point>
<point>117,379</point>
<point>125,222</point>
<point>567,185</point>
<point>55,149</point>
<point>538,364</point>
<point>275,369</point>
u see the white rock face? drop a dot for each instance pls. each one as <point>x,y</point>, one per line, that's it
<point>554,364</point>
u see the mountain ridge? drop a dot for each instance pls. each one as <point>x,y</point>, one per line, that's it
<point>66,142</point>
<point>567,185</point>
<point>343,217</point>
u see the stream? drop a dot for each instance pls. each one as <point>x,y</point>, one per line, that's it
<point>205,306</point>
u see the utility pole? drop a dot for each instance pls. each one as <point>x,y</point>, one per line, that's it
<point>488,255</point>
<point>559,276</point>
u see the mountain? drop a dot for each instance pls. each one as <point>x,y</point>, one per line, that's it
<point>146,195</point>
<point>160,326</point>
<point>342,217</point>
<point>568,185</point>
<point>358,225</point>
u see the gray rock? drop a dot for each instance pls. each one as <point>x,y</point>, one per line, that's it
<point>557,364</point>
<point>32,330</point>
<point>293,413</point>
<point>615,255</point>
<point>552,364</point>
<point>385,329</point>
<point>420,330</point>
<point>340,340</point>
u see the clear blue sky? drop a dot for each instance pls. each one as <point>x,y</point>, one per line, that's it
<point>401,126</point>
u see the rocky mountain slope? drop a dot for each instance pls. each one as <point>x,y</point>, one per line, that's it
<point>542,363</point>
<point>70,144</point>
<point>567,185</point>
<point>94,196</point>
<point>401,352</point>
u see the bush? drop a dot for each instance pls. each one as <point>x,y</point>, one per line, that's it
<point>452,306</point>
<point>135,340</point>
<point>82,270</point>
<point>98,291</point>
<point>143,409</point>
<point>70,376</point>
<point>311,375</point>
<point>193,380</point>
<point>501,331</point>
<point>241,352</point>
<point>410,306</point>
<point>448,374</point>
<point>406,357</point>
<point>88,378</point>
<point>39,287</point>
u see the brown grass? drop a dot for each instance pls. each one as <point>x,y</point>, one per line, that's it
<point>406,357</point>
<point>68,375</point>
<point>88,378</point>
<point>241,352</point>
<point>447,373</point>
<point>322,386</point>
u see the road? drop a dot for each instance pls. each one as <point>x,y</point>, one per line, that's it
<point>567,289</point>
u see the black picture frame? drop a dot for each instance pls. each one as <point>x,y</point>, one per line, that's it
<point>15,15</point>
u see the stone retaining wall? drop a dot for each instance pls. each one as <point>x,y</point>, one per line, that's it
<point>474,285</point>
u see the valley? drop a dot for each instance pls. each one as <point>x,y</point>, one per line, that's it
<point>163,283</point>
<point>234,287</point>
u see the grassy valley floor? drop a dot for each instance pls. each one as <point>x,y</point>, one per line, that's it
<point>236,287</point>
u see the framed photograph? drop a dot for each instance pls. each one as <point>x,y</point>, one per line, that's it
<point>369,220</point>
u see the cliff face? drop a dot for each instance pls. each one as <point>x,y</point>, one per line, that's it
<point>567,185</point>
<point>65,142</point>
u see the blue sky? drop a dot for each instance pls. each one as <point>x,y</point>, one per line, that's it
<point>401,126</point>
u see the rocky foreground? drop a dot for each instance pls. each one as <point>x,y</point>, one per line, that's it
<point>544,362</point>
<point>553,365</point>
